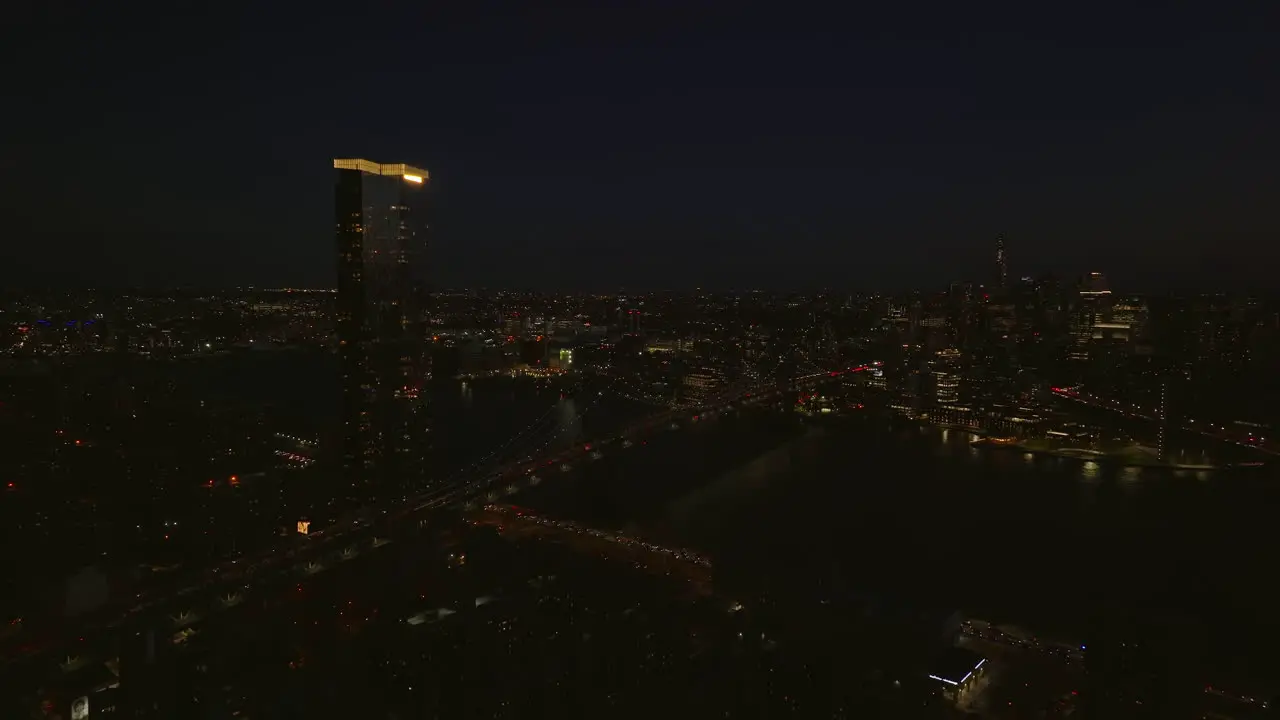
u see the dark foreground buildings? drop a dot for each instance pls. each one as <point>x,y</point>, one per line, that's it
<point>380,253</point>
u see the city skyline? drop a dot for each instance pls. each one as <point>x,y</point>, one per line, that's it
<point>203,436</point>
<point>690,359</point>
<point>887,154</point>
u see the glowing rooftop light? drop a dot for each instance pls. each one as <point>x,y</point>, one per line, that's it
<point>408,172</point>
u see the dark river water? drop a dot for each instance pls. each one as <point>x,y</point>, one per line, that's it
<point>918,515</point>
<point>473,421</point>
<point>906,513</point>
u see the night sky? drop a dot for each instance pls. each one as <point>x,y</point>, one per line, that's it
<point>646,144</point>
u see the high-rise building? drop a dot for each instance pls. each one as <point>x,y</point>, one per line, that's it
<point>1092,306</point>
<point>946,376</point>
<point>701,385</point>
<point>1002,264</point>
<point>381,349</point>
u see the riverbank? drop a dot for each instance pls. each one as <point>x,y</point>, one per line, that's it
<point>1128,457</point>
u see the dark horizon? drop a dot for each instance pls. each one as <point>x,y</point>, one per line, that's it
<point>644,146</point>
<point>1121,284</point>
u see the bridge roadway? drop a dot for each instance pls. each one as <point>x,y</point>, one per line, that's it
<point>499,514</point>
<point>227,584</point>
<point>1270,447</point>
<point>660,559</point>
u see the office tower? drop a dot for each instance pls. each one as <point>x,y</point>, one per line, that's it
<point>1117,327</point>
<point>701,385</point>
<point>946,365</point>
<point>1002,264</point>
<point>382,356</point>
<point>630,314</point>
<point>1162,414</point>
<point>1092,306</point>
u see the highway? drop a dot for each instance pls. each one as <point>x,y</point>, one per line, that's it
<point>228,583</point>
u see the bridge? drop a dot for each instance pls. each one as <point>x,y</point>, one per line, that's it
<point>1204,428</point>
<point>225,586</point>
<point>686,564</point>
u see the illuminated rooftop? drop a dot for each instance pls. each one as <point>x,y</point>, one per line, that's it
<point>408,172</point>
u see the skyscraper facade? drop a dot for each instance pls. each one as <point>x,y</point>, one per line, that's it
<point>1092,306</point>
<point>1002,264</point>
<point>381,350</point>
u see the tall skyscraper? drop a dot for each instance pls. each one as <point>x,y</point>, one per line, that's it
<point>947,371</point>
<point>1162,413</point>
<point>381,350</point>
<point>1092,306</point>
<point>1002,264</point>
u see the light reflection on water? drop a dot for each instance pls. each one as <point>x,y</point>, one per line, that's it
<point>948,443</point>
<point>1130,478</point>
<point>874,468</point>
<point>568,421</point>
<point>826,498</point>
